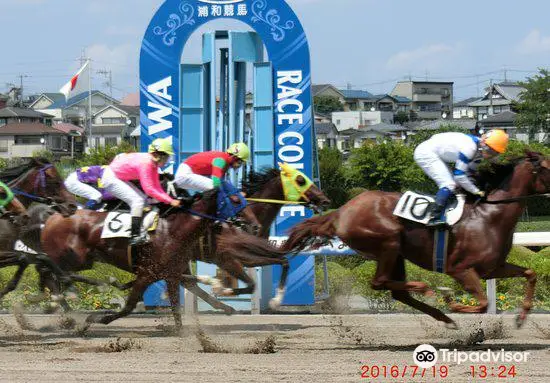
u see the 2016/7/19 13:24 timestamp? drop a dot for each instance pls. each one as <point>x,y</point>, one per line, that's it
<point>483,371</point>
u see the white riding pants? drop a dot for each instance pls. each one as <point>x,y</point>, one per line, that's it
<point>81,189</point>
<point>124,191</point>
<point>186,179</point>
<point>434,167</point>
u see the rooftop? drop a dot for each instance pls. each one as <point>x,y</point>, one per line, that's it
<point>26,129</point>
<point>12,111</point>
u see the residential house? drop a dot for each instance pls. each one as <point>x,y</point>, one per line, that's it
<point>326,134</point>
<point>387,103</point>
<point>327,90</point>
<point>11,114</point>
<point>320,117</point>
<point>462,124</point>
<point>76,109</point>
<point>23,139</point>
<point>3,100</point>
<point>499,98</point>
<point>429,100</point>
<point>463,109</point>
<point>355,100</point>
<point>113,124</point>
<point>376,132</point>
<point>45,100</point>
<point>355,120</point>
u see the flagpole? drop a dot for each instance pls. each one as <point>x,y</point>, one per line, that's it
<point>92,145</point>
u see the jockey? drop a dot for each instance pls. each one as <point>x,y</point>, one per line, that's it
<point>80,183</point>
<point>8,201</point>
<point>195,171</point>
<point>143,167</point>
<point>465,151</point>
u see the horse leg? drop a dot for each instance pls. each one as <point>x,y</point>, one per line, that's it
<point>236,270</point>
<point>15,280</point>
<point>173,288</point>
<point>406,298</point>
<point>509,270</point>
<point>47,280</point>
<point>140,284</point>
<point>95,282</point>
<point>193,288</point>
<point>470,280</point>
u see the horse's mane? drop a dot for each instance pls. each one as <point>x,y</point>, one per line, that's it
<point>497,175</point>
<point>256,181</point>
<point>10,174</point>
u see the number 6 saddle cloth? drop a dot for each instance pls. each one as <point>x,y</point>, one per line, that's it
<point>416,207</point>
<point>118,224</point>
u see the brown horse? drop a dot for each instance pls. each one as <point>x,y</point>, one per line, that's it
<point>478,244</point>
<point>74,242</point>
<point>35,181</point>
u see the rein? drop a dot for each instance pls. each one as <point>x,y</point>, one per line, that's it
<point>275,201</point>
<point>516,199</point>
<point>31,196</point>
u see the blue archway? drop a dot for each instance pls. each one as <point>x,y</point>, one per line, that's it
<point>290,136</point>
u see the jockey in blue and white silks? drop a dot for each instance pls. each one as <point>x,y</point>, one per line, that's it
<point>465,152</point>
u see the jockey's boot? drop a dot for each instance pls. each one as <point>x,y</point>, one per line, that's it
<point>92,205</point>
<point>437,216</point>
<point>137,237</point>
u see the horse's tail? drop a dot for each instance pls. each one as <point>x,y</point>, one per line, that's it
<point>246,247</point>
<point>300,235</point>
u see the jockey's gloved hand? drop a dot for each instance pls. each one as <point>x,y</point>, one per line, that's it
<point>480,194</point>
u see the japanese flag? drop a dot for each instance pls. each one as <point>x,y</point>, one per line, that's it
<point>75,86</point>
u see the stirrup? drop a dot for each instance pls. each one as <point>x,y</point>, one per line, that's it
<point>436,222</point>
<point>139,240</point>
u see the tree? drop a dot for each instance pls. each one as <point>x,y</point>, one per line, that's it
<point>401,117</point>
<point>327,104</point>
<point>333,181</point>
<point>387,166</point>
<point>534,109</point>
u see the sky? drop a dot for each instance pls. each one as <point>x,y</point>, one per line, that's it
<point>363,44</point>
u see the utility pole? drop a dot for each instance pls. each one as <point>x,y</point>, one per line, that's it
<point>21,77</point>
<point>490,111</point>
<point>109,74</point>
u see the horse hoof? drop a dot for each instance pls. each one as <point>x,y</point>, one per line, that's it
<point>451,325</point>
<point>229,310</point>
<point>217,286</point>
<point>57,298</point>
<point>520,320</point>
<point>275,304</point>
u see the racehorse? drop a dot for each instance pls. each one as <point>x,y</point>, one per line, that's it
<point>268,185</point>
<point>37,180</point>
<point>478,244</point>
<point>74,242</point>
<point>267,194</point>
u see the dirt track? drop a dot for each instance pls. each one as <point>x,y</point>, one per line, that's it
<point>307,348</point>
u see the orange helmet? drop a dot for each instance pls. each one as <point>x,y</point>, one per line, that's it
<point>497,140</point>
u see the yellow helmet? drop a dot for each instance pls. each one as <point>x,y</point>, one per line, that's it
<point>162,145</point>
<point>497,140</point>
<point>239,150</point>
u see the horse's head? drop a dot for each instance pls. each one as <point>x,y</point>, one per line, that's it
<point>40,178</point>
<point>297,187</point>
<point>540,171</point>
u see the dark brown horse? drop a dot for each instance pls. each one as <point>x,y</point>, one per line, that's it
<point>478,244</point>
<point>266,185</point>
<point>37,180</point>
<point>74,242</point>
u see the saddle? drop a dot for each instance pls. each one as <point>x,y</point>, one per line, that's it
<point>416,207</point>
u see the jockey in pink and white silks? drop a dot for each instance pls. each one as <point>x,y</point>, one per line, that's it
<point>143,167</point>
<point>465,151</point>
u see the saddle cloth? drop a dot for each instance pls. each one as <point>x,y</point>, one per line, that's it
<point>118,224</point>
<point>415,207</point>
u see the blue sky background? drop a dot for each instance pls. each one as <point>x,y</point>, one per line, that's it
<point>369,44</point>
